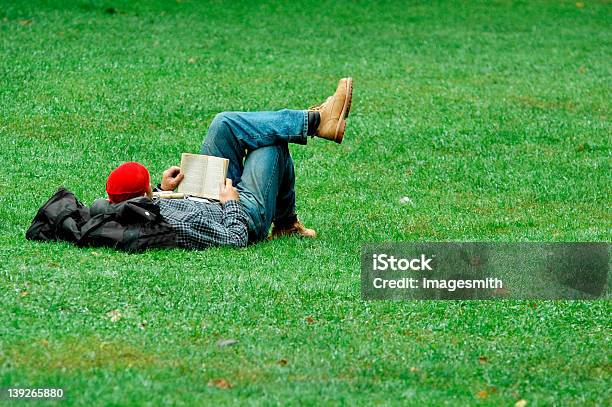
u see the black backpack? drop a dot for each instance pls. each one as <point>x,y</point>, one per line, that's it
<point>133,225</point>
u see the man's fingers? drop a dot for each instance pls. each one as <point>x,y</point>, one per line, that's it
<point>180,177</point>
<point>228,192</point>
<point>172,171</point>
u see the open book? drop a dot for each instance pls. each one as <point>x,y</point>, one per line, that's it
<point>204,175</point>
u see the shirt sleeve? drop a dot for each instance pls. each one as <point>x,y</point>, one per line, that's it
<point>198,231</point>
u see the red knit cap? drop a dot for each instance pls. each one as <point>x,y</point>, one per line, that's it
<point>127,181</point>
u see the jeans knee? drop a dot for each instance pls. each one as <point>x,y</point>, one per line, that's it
<point>224,117</point>
<point>218,120</point>
<point>218,125</point>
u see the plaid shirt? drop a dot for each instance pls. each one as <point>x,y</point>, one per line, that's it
<point>203,224</point>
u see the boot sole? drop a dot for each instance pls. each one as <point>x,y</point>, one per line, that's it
<point>345,112</point>
<point>349,97</point>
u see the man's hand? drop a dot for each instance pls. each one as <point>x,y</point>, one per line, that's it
<point>171,178</point>
<point>228,192</point>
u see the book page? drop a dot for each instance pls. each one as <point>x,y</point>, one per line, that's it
<point>193,166</point>
<point>215,177</point>
<point>203,175</point>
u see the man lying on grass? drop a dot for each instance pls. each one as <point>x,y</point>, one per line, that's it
<point>260,167</point>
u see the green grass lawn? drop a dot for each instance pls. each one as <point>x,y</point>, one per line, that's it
<point>493,117</point>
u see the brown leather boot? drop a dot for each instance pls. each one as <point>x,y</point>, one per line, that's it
<point>296,228</point>
<point>334,111</point>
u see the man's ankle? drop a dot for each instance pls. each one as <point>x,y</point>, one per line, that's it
<point>314,119</point>
<point>286,221</point>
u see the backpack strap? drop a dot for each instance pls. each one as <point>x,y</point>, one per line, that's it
<point>62,216</point>
<point>93,224</point>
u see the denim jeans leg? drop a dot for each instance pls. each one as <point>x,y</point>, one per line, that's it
<point>285,200</point>
<point>232,134</point>
<point>264,171</point>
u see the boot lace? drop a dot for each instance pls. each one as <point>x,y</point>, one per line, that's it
<point>321,106</point>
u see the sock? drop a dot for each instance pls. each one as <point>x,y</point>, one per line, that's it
<point>314,118</point>
<point>286,222</point>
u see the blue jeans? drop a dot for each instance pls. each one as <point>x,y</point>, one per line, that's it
<point>260,166</point>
